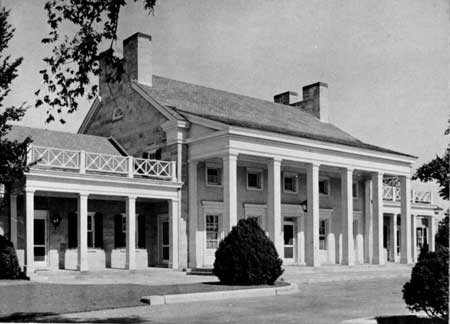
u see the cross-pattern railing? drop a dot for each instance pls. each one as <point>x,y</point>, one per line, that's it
<point>392,193</point>
<point>89,162</point>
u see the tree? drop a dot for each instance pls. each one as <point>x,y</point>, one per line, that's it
<point>437,169</point>
<point>441,237</point>
<point>13,162</point>
<point>74,59</point>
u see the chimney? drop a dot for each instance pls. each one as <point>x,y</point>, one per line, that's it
<point>137,53</point>
<point>285,98</point>
<point>315,100</point>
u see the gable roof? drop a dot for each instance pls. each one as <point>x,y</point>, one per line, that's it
<point>64,140</point>
<point>243,111</point>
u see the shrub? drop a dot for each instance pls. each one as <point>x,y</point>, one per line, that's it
<point>9,264</point>
<point>246,256</point>
<point>428,288</point>
<point>442,233</point>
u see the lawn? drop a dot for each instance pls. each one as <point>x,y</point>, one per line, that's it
<point>23,300</point>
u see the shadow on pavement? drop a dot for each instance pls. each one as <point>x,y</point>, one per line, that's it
<point>407,319</point>
<point>57,318</point>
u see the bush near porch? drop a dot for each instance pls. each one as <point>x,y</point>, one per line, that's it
<point>246,256</point>
<point>9,264</point>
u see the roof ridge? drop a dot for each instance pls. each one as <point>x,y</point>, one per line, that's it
<point>58,131</point>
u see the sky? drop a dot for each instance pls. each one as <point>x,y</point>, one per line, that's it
<point>386,62</point>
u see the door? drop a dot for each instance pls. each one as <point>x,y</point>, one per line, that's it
<point>212,222</point>
<point>289,240</point>
<point>41,238</point>
<point>164,239</point>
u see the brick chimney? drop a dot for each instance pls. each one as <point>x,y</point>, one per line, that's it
<point>315,100</point>
<point>285,98</point>
<point>137,53</point>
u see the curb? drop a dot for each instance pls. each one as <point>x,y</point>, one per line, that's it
<point>218,295</point>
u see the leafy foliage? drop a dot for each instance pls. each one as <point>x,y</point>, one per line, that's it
<point>9,265</point>
<point>13,153</point>
<point>428,288</point>
<point>441,237</point>
<point>247,256</point>
<point>75,59</point>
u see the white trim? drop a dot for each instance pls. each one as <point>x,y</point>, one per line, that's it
<point>205,122</point>
<point>290,175</point>
<point>91,113</point>
<point>213,167</point>
<point>261,178</point>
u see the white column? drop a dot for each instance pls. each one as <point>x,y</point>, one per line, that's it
<point>348,246</point>
<point>173,233</point>
<point>414,238</point>
<point>29,225</point>
<point>368,222</point>
<point>394,237</point>
<point>130,205</point>
<point>82,231</point>
<point>230,191</point>
<point>312,217</point>
<point>432,231</point>
<point>405,208</point>
<point>301,239</point>
<point>195,244</point>
<point>377,197</point>
<point>274,204</point>
<point>13,219</point>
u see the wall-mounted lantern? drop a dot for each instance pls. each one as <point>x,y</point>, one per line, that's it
<point>304,205</point>
<point>56,220</point>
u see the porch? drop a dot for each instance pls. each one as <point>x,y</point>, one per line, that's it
<point>88,211</point>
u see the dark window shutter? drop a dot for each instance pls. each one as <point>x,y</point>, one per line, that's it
<point>141,231</point>
<point>73,230</point>
<point>98,230</point>
<point>118,235</point>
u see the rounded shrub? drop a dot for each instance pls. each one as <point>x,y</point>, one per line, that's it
<point>428,288</point>
<point>9,264</point>
<point>246,256</point>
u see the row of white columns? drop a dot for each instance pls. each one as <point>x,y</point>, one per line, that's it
<point>130,205</point>
<point>374,251</point>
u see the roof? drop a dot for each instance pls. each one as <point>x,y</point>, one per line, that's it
<point>239,110</point>
<point>64,140</point>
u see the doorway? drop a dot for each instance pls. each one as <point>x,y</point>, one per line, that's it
<point>289,239</point>
<point>40,238</point>
<point>163,239</point>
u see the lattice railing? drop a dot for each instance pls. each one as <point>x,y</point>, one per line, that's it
<point>56,158</point>
<point>106,163</point>
<point>423,197</point>
<point>388,193</point>
<point>89,162</point>
<point>153,168</point>
<point>391,193</point>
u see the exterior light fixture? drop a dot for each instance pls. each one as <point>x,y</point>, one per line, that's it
<point>304,205</point>
<point>56,220</point>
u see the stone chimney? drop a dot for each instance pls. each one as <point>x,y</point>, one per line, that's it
<point>315,100</point>
<point>137,54</point>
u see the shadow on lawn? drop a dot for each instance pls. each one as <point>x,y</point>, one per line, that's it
<point>407,319</point>
<point>56,318</point>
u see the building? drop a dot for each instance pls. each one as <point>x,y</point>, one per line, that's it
<point>161,170</point>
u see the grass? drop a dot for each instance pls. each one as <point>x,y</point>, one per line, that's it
<point>22,300</point>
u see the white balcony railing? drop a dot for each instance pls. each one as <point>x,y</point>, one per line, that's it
<point>392,193</point>
<point>88,162</point>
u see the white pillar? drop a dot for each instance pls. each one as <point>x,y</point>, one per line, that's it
<point>312,218</point>
<point>377,197</point>
<point>82,231</point>
<point>195,242</point>
<point>13,219</point>
<point>432,231</point>
<point>368,222</point>
<point>301,239</point>
<point>394,242</point>
<point>173,233</point>
<point>274,204</point>
<point>414,238</point>
<point>348,246</point>
<point>230,191</point>
<point>405,224</point>
<point>130,204</point>
<point>29,225</point>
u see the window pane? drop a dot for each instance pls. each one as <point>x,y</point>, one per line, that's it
<point>165,252</point>
<point>288,234</point>
<point>289,184</point>
<point>39,253</point>
<point>323,187</point>
<point>90,239</point>
<point>39,231</point>
<point>165,233</point>
<point>355,190</point>
<point>89,223</point>
<point>212,231</point>
<point>124,224</point>
<point>213,176</point>
<point>289,252</point>
<point>254,180</point>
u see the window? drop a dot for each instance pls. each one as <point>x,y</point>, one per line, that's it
<point>91,230</point>
<point>355,190</point>
<point>323,224</point>
<point>124,224</point>
<point>154,154</point>
<point>290,182</point>
<point>117,114</point>
<point>212,231</point>
<point>324,186</point>
<point>254,179</point>
<point>213,176</point>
